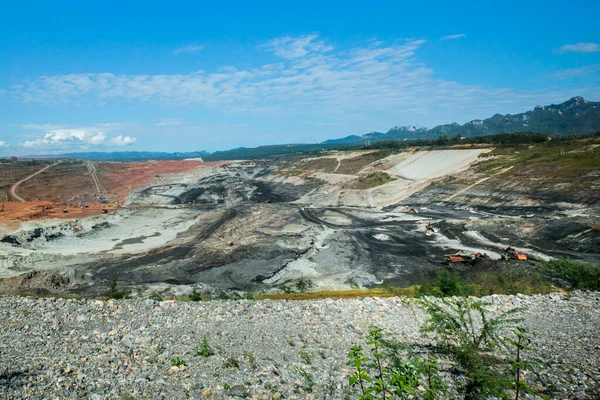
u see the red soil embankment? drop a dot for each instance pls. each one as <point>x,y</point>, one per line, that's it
<point>15,213</point>
<point>120,179</point>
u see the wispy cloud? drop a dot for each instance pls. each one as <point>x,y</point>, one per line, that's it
<point>168,122</point>
<point>2,143</point>
<point>189,49</point>
<point>310,79</point>
<point>576,72</point>
<point>455,36</point>
<point>578,48</point>
<point>294,47</point>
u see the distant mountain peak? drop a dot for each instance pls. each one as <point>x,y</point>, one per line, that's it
<point>408,128</point>
<point>574,116</point>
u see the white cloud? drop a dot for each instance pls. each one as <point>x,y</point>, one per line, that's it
<point>66,138</point>
<point>189,49</point>
<point>123,140</point>
<point>310,80</point>
<point>293,47</point>
<point>576,72</point>
<point>97,139</point>
<point>578,48</point>
<point>455,36</point>
<point>3,143</point>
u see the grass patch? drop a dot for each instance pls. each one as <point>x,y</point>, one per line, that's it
<point>578,275</point>
<point>341,294</point>
<point>372,180</point>
<point>512,281</point>
<point>553,159</point>
<point>446,284</point>
<point>114,294</point>
<point>325,164</point>
<point>525,280</point>
<point>509,281</point>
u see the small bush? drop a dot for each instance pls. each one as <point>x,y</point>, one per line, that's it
<point>578,275</point>
<point>304,285</point>
<point>353,284</point>
<point>470,336</point>
<point>231,363</point>
<point>115,294</point>
<point>446,284</point>
<point>204,350</point>
<point>287,290</point>
<point>177,362</point>
<point>307,377</point>
<point>392,371</point>
<point>195,296</point>
<point>156,297</point>
<point>305,357</point>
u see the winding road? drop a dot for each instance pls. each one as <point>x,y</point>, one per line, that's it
<point>13,188</point>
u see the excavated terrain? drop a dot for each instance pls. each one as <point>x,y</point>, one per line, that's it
<point>256,226</point>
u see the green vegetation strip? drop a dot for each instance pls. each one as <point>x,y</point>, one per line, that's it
<point>372,180</point>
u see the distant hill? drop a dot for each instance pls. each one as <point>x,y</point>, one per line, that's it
<point>134,155</point>
<point>575,116</point>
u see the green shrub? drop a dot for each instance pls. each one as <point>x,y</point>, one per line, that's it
<point>177,362</point>
<point>204,350</point>
<point>305,357</point>
<point>471,336</point>
<point>579,275</point>
<point>447,284</point>
<point>195,296</point>
<point>156,297</point>
<point>231,363</point>
<point>115,294</point>
<point>286,289</point>
<point>307,377</point>
<point>304,285</point>
<point>392,371</point>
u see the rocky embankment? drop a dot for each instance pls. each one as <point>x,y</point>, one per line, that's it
<point>91,349</point>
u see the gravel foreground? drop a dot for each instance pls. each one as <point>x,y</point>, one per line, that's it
<point>91,349</point>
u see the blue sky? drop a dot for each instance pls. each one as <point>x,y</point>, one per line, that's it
<point>183,76</point>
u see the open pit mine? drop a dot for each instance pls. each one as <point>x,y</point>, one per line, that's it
<point>340,220</point>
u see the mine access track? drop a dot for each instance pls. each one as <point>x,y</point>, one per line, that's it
<point>94,174</point>
<point>13,189</point>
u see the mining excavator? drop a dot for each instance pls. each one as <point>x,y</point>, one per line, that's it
<point>510,253</point>
<point>459,258</point>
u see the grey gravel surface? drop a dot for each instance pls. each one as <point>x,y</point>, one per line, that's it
<point>92,349</point>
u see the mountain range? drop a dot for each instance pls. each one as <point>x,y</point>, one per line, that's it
<point>574,116</point>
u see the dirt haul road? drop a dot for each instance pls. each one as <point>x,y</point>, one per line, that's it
<point>94,174</point>
<point>13,189</point>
